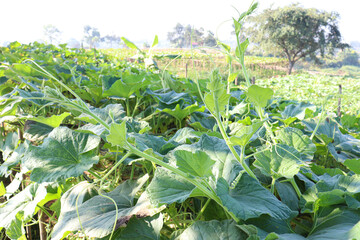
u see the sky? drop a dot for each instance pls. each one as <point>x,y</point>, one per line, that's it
<point>140,20</point>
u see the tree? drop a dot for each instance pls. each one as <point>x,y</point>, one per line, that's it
<point>183,37</point>
<point>111,39</point>
<point>297,32</point>
<point>91,35</point>
<point>210,40</point>
<point>51,32</point>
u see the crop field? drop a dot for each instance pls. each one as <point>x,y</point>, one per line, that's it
<point>97,147</point>
<point>318,89</point>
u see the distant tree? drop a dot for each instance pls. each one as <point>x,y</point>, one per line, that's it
<point>182,37</point>
<point>146,45</point>
<point>111,40</point>
<point>91,36</point>
<point>297,32</point>
<point>210,40</point>
<point>51,32</point>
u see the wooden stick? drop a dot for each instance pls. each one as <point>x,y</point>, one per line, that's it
<point>339,101</point>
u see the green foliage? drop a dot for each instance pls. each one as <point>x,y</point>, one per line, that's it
<point>184,36</point>
<point>296,32</point>
<point>114,143</point>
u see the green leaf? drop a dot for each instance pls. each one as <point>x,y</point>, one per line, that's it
<point>167,187</point>
<point>53,121</point>
<point>217,98</point>
<point>130,44</point>
<point>238,27</point>
<point>330,191</point>
<point>232,77</point>
<point>287,195</point>
<point>155,42</point>
<point>63,154</point>
<point>297,110</point>
<point>243,134</point>
<point>339,224</point>
<point>2,189</point>
<point>126,86</point>
<point>244,45</point>
<point>353,165</point>
<point>295,138</point>
<point>259,95</point>
<point>198,164</point>
<point>16,229</point>
<point>139,229</point>
<point>97,215</point>
<point>117,135</point>
<point>35,131</point>
<point>226,165</point>
<point>180,113</point>
<point>25,201</point>
<point>279,161</point>
<point>214,230</point>
<point>72,199</point>
<point>250,200</point>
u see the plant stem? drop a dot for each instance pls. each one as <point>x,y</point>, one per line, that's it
<point>273,185</point>
<point>241,158</point>
<point>295,186</point>
<point>203,209</point>
<point>207,192</point>
<point>115,166</point>
<point>94,174</point>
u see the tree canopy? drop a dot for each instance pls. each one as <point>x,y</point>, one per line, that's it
<point>184,36</point>
<point>296,32</point>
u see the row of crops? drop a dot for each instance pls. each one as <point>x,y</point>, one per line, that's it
<point>93,147</point>
<point>320,89</point>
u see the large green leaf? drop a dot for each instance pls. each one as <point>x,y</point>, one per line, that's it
<point>97,215</point>
<point>63,154</point>
<point>25,201</point>
<point>36,131</point>
<point>117,135</point>
<point>170,99</point>
<point>259,95</point>
<point>297,110</point>
<point>353,165</point>
<point>16,229</point>
<point>180,113</point>
<point>295,138</point>
<point>141,229</point>
<point>214,230</point>
<point>341,146</point>
<point>329,191</point>
<point>279,161</point>
<point>250,200</point>
<point>53,121</point>
<point>198,164</point>
<point>110,113</point>
<point>167,187</point>
<point>242,135</point>
<point>226,165</point>
<point>339,224</point>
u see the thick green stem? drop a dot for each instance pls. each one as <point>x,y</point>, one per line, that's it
<point>241,158</point>
<point>115,166</point>
<point>295,186</point>
<point>273,185</point>
<point>207,192</point>
<point>203,209</point>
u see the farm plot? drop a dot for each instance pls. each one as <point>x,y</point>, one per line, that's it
<point>98,148</point>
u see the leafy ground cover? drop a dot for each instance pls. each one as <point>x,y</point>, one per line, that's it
<point>93,147</point>
<point>300,87</point>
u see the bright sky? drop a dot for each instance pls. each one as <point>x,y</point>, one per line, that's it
<point>139,20</point>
